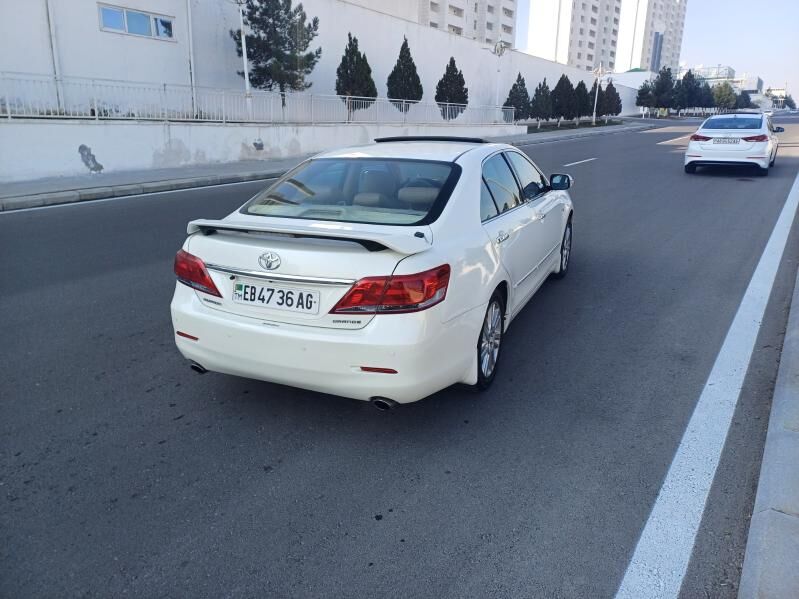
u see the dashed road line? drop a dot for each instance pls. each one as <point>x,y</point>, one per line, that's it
<point>580,162</point>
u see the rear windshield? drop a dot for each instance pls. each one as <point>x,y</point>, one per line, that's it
<point>737,122</point>
<point>381,191</point>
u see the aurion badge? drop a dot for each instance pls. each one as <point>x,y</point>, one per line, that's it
<point>269,261</point>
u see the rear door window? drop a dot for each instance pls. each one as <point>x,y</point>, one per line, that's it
<point>488,209</point>
<point>501,183</point>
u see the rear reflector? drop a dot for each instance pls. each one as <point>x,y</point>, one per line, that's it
<point>187,336</point>
<point>191,271</point>
<point>396,294</point>
<point>378,370</point>
<point>697,137</point>
<point>756,138</point>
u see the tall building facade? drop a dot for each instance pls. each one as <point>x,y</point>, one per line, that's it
<point>618,34</point>
<point>487,21</point>
<point>580,33</point>
<point>650,35</point>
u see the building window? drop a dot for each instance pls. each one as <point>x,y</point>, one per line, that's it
<point>112,18</point>
<point>454,10</point>
<point>489,26</point>
<point>135,22</point>
<point>507,29</point>
<point>507,12</point>
<point>589,57</point>
<point>434,7</point>
<point>590,45</point>
<point>433,24</point>
<point>579,55</point>
<point>490,8</point>
<point>455,30</point>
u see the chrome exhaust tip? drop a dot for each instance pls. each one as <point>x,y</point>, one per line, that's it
<point>197,368</point>
<point>383,404</point>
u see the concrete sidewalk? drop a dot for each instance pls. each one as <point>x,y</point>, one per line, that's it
<point>771,562</point>
<point>65,190</point>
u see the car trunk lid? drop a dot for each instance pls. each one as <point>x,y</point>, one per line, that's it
<point>281,271</point>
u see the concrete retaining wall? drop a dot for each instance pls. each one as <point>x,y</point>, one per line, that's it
<point>33,149</point>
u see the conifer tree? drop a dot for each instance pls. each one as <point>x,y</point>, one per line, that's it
<point>403,82</point>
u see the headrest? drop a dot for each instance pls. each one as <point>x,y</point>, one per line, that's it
<point>368,199</point>
<point>418,197</point>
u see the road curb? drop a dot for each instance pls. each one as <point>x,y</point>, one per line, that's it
<point>772,549</point>
<point>115,191</point>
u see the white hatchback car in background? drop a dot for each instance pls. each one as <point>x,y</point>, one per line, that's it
<point>743,138</point>
<point>384,272</point>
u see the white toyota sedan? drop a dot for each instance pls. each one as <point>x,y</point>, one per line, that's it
<point>734,139</point>
<point>383,273</point>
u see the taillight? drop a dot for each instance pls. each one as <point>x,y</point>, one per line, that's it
<point>396,294</point>
<point>762,137</point>
<point>191,271</point>
<point>697,137</point>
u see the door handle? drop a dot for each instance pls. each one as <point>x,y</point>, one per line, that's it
<point>502,236</point>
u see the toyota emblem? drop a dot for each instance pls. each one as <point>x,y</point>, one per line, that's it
<point>269,261</point>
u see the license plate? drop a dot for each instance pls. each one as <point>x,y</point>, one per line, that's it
<point>726,140</point>
<point>289,299</point>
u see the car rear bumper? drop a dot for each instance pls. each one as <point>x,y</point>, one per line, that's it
<point>427,355</point>
<point>755,157</point>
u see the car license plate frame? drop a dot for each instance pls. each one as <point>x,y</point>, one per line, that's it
<point>266,295</point>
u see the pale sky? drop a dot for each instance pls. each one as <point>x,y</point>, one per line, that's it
<point>756,38</point>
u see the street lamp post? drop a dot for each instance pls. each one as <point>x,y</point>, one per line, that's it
<point>599,73</point>
<point>498,50</point>
<point>246,62</point>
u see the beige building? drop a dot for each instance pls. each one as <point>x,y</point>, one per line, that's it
<point>487,21</point>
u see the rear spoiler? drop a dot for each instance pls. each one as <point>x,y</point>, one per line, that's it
<point>413,242</point>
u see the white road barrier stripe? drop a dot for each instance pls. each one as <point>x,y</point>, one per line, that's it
<point>580,162</point>
<point>671,141</point>
<point>661,556</point>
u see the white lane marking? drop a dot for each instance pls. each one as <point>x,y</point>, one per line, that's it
<point>135,195</point>
<point>661,556</point>
<point>580,162</point>
<point>670,141</point>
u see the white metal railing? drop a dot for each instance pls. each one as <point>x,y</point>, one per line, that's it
<point>24,95</point>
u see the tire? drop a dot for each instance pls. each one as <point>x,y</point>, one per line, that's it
<point>763,172</point>
<point>690,169</point>
<point>773,160</point>
<point>489,342</point>
<point>565,252</point>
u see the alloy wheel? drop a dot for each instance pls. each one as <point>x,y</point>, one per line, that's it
<point>490,339</point>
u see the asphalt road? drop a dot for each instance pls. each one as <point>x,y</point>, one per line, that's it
<point>123,473</point>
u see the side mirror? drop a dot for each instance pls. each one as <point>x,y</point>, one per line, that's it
<point>779,129</point>
<point>561,182</point>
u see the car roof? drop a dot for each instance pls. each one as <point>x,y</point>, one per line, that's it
<point>446,151</point>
